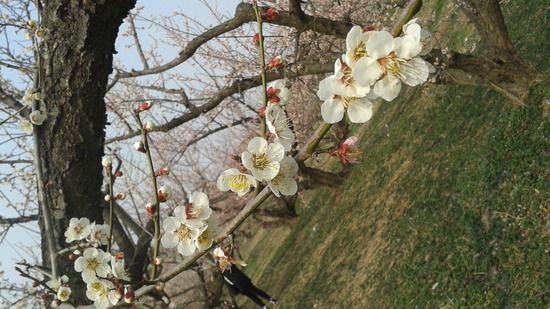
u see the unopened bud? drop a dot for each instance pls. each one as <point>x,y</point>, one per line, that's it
<point>73,257</point>
<point>149,126</point>
<point>56,303</point>
<point>256,39</point>
<point>164,170</point>
<point>151,209</point>
<point>368,28</point>
<point>157,260</point>
<point>121,196</point>
<point>107,198</point>
<point>31,23</point>
<point>275,63</point>
<point>145,106</point>
<point>164,193</point>
<point>107,162</point>
<point>139,146</point>
<point>129,297</point>
<point>44,297</point>
<point>235,158</point>
<point>159,286</point>
<point>35,284</point>
<point>119,255</point>
<point>271,14</point>
<point>119,292</point>
<point>262,112</point>
<point>118,174</point>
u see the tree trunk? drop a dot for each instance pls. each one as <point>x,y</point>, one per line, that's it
<point>75,59</point>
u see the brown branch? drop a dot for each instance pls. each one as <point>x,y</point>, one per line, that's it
<point>489,21</point>
<point>10,101</point>
<point>308,67</point>
<point>22,219</point>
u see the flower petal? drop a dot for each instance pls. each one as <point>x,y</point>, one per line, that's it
<point>332,111</point>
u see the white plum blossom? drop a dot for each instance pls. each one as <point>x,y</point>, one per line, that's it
<point>26,126</point>
<point>232,179</point>
<point>390,62</point>
<point>78,229</point>
<point>197,210</point>
<point>422,35</point>
<point>37,117</point>
<point>206,235</point>
<point>284,183</point>
<point>102,293</point>
<point>64,293</point>
<point>343,83</point>
<point>356,45</point>
<point>56,283</point>
<point>278,93</point>
<point>180,232</point>
<point>359,110</point>
<point>99,234</point>
<point>262,159</point>
<point>117,268</point>
<point>279,125</point>
<point>93,263</point>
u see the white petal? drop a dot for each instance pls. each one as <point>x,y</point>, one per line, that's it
<point>388,88</point>
<point>332,111</point>
<point>360,111</point>
<point>324,92</point>
<point>169,240</point>
<point>186,247</point>
<point>257,145</point>
<point>380,45</point>
<point>275,152</point>
<point>199,199</point>
<point>367,71</point>
<point>415,72</point>
<point>288,186</point>
<point>406,47</point>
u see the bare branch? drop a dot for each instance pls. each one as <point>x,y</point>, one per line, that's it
<point>22,219</point>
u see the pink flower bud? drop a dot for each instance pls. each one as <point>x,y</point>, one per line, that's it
<point>157,260</point>
<point>159,286</point>
<point>119,255</point>
<point>271,14</point>
<point>129,297</point>
<point>119,292</point>
<point>151,209</point>
<point>256,39</point>
<point>35,284</point>
<point>139,146</point>
<point>368,28</point>
<point>107,198</point>
<point>275,63</point>
<point>273,95</point>
<point>164,193</point>
<point>149,126</point>
<point>145,106</point>
<point>73,257</point>
<point>118,174</point>
<point>56,303</point>
<point>44,297</point>
<point>164,170</point>
<point>262,112</point>
<point>121,196</point>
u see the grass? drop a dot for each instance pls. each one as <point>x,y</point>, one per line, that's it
<point>448,208</point>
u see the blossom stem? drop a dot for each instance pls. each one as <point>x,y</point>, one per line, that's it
<point>262,63</point>
<point>411,9</point>
<point>156,219</point>
<point>111,207</point>
<point>313,142</point>
<point>14,114</point>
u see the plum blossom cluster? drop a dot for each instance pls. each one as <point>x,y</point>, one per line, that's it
<point>101,271</point>
<point>191,227</point>
<point>375,65</point>
<point>264,160</point>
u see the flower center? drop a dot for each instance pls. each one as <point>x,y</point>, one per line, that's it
<point>347,79</point>
<point>183,232</point>
<point>92,264</point>
<point>346,101</point>
<point>360,51</point>
<point>260,162</point>
<point>239,183</point>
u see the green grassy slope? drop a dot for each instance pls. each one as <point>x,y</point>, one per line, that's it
<point>448,208</point>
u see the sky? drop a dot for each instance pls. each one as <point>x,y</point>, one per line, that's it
<point>10,249</point>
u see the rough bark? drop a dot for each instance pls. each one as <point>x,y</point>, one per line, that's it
<point>75,60</point>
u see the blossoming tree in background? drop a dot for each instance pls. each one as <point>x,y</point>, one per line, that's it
<point>93,250</point>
